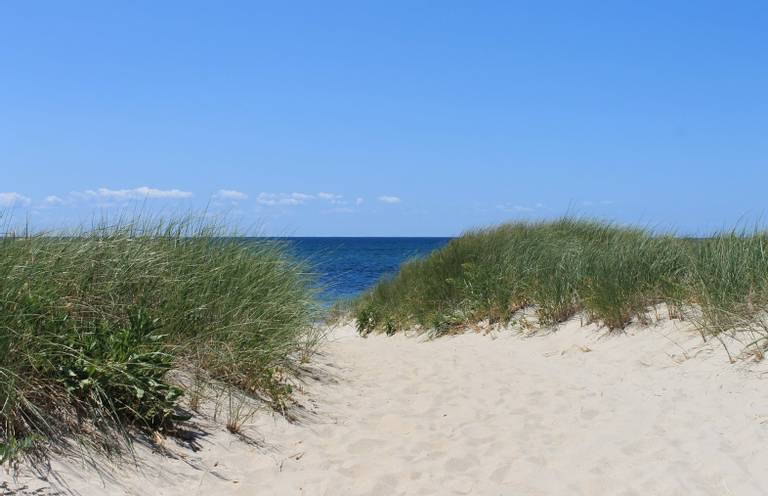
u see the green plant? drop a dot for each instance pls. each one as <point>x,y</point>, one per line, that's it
<point>124,367</point>
<point>613,274</point>
<point>93,321</point>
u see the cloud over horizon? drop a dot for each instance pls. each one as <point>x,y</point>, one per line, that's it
<point>296,198</point>
<point>13,199</point>
<point>389,199</point>
<point>140,193</point>
<point>230,194</point>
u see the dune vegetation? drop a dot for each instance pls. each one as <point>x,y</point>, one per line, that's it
<point>93,323</point>
<point>609,274</point>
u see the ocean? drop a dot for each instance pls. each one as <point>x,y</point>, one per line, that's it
<point>346,267</point>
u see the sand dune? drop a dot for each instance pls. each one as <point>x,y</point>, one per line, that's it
<point>653,411</point>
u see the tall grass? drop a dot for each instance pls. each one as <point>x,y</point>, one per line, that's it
<point>92,322</point>
<point>610,274</point>
<point>730,283</point>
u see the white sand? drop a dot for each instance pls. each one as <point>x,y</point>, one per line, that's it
<point>650,412</point>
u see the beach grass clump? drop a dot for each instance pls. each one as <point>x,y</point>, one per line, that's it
<point>497,283</point>
<point>457,283</point>
<point>556,263</point>
<point>610,274</point>
<point>560,267</point>
<point>92,322</point>
<point>729,281</point>
<point>629,272</point>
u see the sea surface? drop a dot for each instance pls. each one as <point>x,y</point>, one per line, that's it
<point>346,267</point>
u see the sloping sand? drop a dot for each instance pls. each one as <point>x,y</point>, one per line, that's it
<point>577,412</point>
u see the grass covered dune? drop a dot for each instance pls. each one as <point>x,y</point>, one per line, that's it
<point>92,323</point>
<point>612,274</point>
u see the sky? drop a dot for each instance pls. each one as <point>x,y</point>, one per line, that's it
<point>385,118</point>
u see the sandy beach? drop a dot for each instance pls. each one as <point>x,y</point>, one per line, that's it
<point>383,248</point>
<point>652,411</point>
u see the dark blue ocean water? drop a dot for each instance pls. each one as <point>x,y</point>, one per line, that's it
<point>348,266</point>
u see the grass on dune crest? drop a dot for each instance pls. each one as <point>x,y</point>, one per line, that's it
<point>730,283</point>
<point>609,273</point>
<point>92,322</point>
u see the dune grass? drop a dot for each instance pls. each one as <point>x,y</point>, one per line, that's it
<point>730,284</point>
<point>610,274</point>
<point>92,322</point>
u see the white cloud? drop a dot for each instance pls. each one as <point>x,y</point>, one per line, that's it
<point>302,196</point>
<point>230,194</point>
<point>359,201</point>
<point>139,193</point>
<point>272,199</point>
<point>54,200</point>
<point>333,198</point>
<point>389,199</point>
<point>328,196</point>
<point>296,198</point>
<point>13,199</point>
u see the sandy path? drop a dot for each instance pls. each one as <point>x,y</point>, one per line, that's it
<point>571,413</point>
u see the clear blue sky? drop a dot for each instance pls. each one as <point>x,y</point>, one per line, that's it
<point>386,118</point>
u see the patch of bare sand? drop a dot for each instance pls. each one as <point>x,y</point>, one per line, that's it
<point>652,411</point>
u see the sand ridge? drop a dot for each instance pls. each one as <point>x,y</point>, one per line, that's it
<point>573,412</point>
